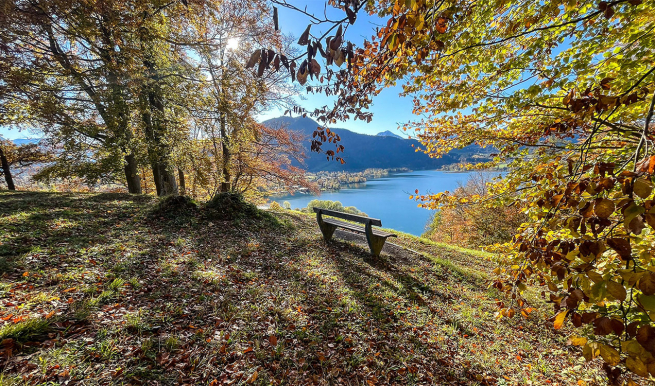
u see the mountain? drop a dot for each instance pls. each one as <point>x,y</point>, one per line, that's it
<point>388,133</point>
<point>368,151</point>
<point>25,141</point>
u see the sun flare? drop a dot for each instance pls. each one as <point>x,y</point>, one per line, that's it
<point>232,43</point>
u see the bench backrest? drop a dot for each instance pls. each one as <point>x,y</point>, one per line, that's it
<point>348,216</point>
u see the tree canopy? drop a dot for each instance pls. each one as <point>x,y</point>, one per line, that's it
<point>123,87</point>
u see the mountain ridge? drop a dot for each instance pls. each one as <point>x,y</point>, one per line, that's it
<point>388,133</point>
<point>364,151</point>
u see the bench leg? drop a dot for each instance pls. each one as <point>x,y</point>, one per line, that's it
<point>376,243</point>
<point>326,229</point>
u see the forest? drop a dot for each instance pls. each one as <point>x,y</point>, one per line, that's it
<point>135,252</point>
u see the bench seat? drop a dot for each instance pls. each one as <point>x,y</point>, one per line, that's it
<point>375,237</point>
<point>356,228</point>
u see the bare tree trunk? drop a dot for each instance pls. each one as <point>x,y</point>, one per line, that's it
<point>6,170</point>
<point>221,96</point>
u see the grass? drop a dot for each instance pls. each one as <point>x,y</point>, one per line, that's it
<point>24,330</point>
<point>107,289</point>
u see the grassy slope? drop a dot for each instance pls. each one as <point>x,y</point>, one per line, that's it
<point>93,286</point>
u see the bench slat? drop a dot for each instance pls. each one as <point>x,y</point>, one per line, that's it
<point>357,228</point>
<point>349,217</point>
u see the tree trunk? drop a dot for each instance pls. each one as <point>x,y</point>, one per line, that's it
<point>167,179</point>
<point>180,174</point>
<point>225,185</point>
<point>158,153</point>
<point>156,176</point>
<point>152,102</point>
<point>132,174</point>
<point>6,170</point>
<point>161,171</point>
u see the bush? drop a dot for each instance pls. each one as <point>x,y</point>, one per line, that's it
<point>275,206</point>
<point>232,206</point>
<point>475,224</point>
<point>175,206</point>
<point>331,205</point>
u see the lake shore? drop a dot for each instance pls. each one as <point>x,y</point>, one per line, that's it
<point>387,198</point>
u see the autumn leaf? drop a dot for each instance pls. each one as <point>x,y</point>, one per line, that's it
<point>254,59</point>
<point>621,246</point>
<point>647,283</point>
<point>642,187</point>
<point>559,320</point>
<point>610,355</point>
<point>604,208</point>
<point>577,341</point>
<point>616,290</point>
<point>636,366</point>
<point>253,377</point>
<point>304,37</point>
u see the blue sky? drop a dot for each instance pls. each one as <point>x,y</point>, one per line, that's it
<point>388,108</point>
<point>15,133</point>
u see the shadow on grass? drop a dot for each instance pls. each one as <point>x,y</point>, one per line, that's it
<point>190,299</point>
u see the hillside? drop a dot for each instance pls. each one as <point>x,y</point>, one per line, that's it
<point>101,287</point>
<point>371,151</point>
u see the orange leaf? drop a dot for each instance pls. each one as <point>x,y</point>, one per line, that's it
<point>50,314</point>
<point>559,320</point>
<point>272,340</point>
<point>253,378</point>
<point>249,349</point>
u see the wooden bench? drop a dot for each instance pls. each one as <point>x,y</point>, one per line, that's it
<point>375,237</point>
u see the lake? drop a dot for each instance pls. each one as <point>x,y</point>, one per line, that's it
<point>388,198</point>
